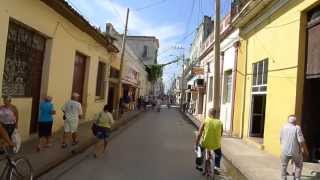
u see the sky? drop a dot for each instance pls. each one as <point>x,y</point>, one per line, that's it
<point>173,22</point>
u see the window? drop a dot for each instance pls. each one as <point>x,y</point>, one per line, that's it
<point>260,76</point>
<point>227,87</point>
<point>210,89</point>
<point>100,89</point>
<point>23,62</point>
<point>145,51</point>
<point>114,73</point>
<point>208,67</point>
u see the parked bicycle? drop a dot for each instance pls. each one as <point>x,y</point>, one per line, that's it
<point>15,167</point>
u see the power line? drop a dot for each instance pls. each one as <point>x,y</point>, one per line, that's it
<point>180,41</point>
<point>115,10</point>
<point>150,5</point>
<point>190,16</point>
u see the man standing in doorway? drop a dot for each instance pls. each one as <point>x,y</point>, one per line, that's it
<point>293,147</point>
<point>72,112</point>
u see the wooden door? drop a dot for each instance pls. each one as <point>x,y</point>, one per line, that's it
<point>111,93</point>
<point>79,75</point>
<point>36,56</point>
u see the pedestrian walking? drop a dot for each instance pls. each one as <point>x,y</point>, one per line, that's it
<point>158,104</point>
<point>72,112</point>
<point>9,115</point>
<point>209,137</point>
<point>102,129</point>
<point>293,147</point>
<point>45,121</point>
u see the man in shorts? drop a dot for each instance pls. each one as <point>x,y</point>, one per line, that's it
<point>293,147</point>
<point>72,111</point>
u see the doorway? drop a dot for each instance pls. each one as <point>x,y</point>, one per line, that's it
<point>79,75</point>
<point>22,74</point>
<point>258,115</point>
<point>111,96</point>
<point>311,99</point>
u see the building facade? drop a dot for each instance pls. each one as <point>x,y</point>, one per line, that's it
<point>48,48</point>
<point>145,48</point>
<point>135,78</point>
<point>277,70</point>
<point>195,75</point>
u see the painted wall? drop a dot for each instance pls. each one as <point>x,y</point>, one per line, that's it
<point>227,46</point>
<point>64,39</point>
<point>137,45</point>
<point>277,39</point>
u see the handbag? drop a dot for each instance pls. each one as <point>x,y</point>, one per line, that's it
<point>16,139</point>
<point>95,127</point>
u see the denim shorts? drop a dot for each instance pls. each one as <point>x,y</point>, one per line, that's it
<point>103,133</point>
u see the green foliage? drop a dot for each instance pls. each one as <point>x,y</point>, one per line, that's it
<point>154,72</point>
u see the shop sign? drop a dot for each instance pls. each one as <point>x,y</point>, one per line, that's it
<point>197,71</point>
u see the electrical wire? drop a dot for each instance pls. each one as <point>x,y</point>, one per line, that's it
<point>190,17</point>
<point>150,5</point>
<point>116,11</point>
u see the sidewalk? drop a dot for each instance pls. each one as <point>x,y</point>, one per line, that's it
<point>256,164</point>
<point>47,159</point>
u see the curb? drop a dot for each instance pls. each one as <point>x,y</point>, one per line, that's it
<point>119,127</point>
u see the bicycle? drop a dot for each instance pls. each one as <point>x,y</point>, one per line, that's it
<point>209,166</point>
<point>16,167</point>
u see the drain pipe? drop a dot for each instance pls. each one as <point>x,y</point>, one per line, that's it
<point>244,92</point>
<point>236,45</point>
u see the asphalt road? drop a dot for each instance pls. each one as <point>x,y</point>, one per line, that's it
<point>157,146</point>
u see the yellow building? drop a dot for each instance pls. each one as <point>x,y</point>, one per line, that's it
<point>46,47</point>
<point>271,76</point>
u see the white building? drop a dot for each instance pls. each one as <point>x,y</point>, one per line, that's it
<point>230,39</point>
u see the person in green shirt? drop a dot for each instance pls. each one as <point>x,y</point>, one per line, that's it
<point>209,136</point>
<point>103,121</point>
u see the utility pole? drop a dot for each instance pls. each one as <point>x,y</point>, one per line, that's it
<point>216,90</point>
<point>182,85</point>
<point>123,48</point>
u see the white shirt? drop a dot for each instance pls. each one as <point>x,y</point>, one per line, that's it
<point>291,136</point>
<point>72,110</point>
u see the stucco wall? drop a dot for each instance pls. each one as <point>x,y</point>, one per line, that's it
<point>278,40</point>
<point>65,40</point>
<point>137,46</point>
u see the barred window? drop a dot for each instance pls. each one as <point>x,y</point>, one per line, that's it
<point>23,61</point>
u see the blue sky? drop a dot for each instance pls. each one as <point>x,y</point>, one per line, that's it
<point>169,20</point>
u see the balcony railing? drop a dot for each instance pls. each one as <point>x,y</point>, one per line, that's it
<point>236,7</point>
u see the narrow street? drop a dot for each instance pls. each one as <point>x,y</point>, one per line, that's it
<point>157,146</point>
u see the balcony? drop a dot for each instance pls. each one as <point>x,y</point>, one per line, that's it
<point>242,11</point>
<point>237,6</point>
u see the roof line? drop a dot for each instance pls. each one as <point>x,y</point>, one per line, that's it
<point>68,12</point>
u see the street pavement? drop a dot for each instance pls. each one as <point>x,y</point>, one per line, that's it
<point>156,146</point>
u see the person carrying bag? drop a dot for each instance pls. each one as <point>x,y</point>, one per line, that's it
<point>101,129</point>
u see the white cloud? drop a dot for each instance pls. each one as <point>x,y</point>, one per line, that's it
<point>138,25</point>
